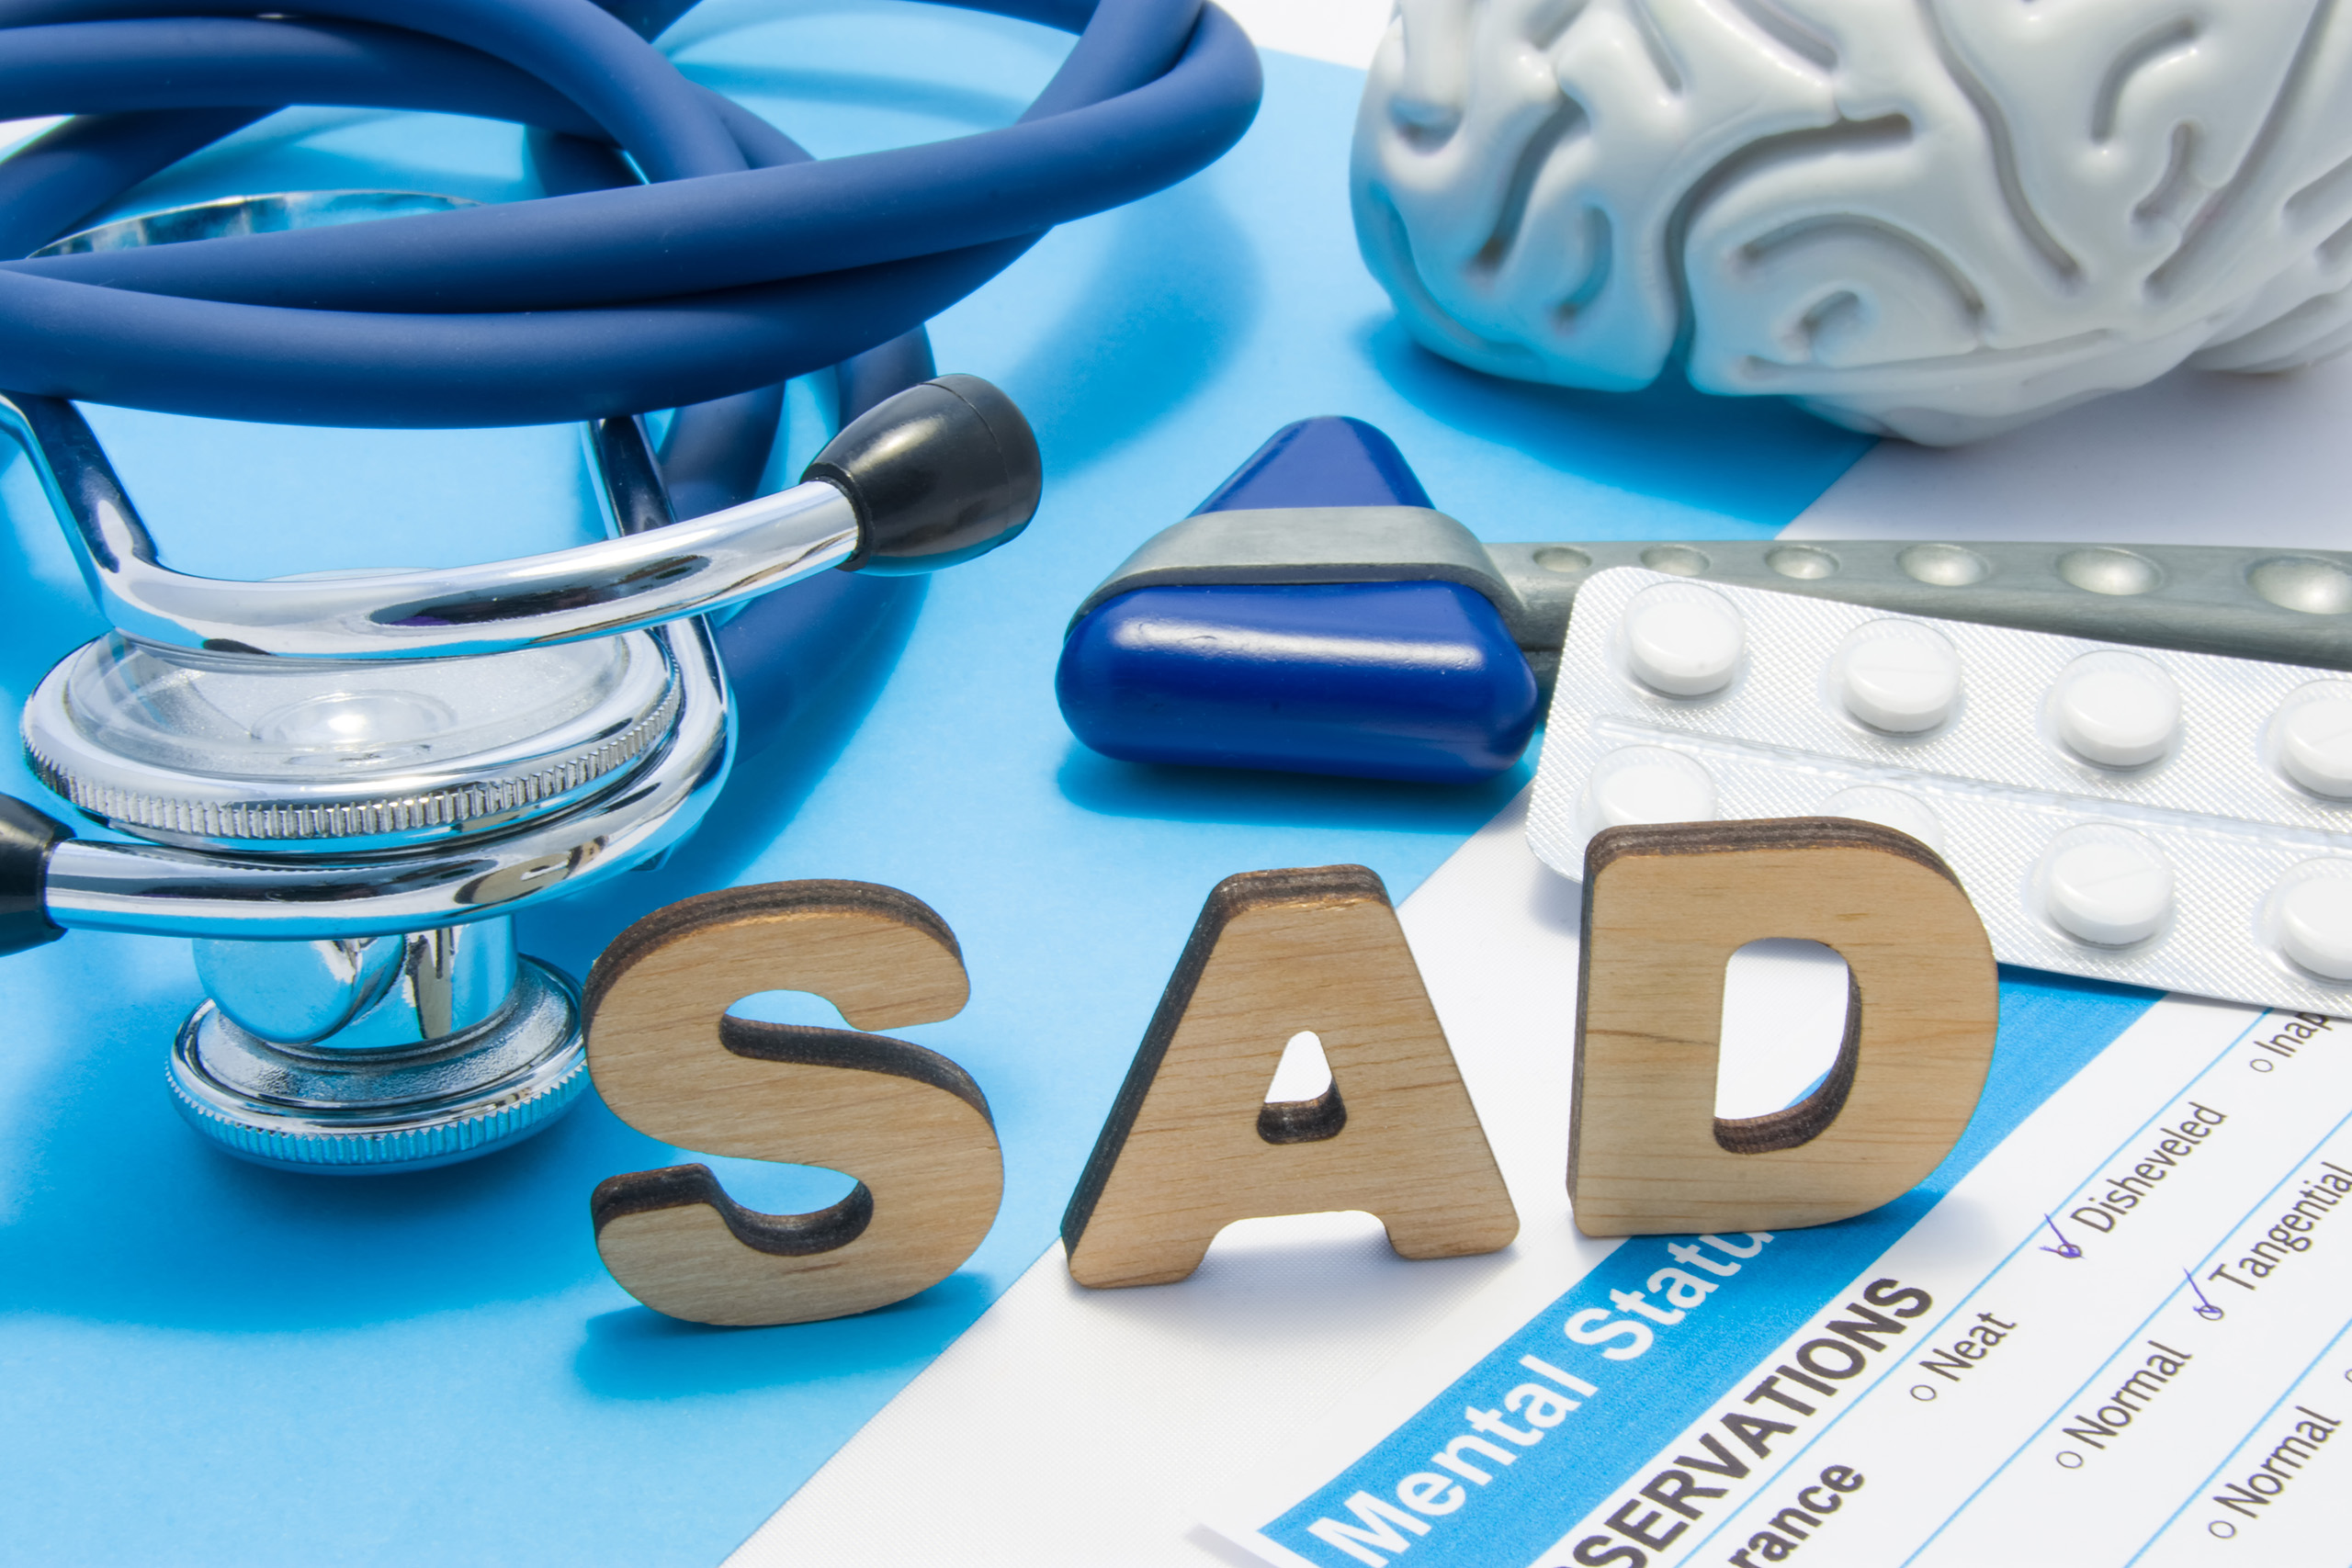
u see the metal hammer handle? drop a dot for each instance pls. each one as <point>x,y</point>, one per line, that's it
<point>2291,608</point>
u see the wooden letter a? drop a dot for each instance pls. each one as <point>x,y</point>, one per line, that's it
<point>1665,907</point>
<point>1192,1145</point>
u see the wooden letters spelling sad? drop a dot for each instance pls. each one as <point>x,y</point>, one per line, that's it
<point>1192,1145</point>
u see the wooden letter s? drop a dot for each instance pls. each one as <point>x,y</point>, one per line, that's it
<point>908,1124</point>
<point>1665,907</point>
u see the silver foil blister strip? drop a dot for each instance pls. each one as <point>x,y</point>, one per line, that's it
<point>2051,845</point>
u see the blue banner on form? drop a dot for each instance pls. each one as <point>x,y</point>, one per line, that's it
<point>1671,1361</point>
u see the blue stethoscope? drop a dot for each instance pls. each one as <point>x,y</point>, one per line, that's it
<point>342,787</point>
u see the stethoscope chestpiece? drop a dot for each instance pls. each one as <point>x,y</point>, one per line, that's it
<point>366,1051</point>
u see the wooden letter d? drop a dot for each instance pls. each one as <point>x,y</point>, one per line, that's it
<point>1665,907</point>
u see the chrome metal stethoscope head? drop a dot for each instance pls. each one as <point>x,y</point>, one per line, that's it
<point>233,752</point>
<point>344,785</point>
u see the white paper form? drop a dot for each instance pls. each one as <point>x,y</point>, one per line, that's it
<point>2119,1336</point>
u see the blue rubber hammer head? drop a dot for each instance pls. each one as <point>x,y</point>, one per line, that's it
<point>1215,645</point>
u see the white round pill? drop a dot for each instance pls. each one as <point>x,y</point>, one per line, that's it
<point>2109,886</point>
<point>1646,783</point>
<point>2315,741</point>
<point>1898,809</point>
<point>2314,922</point>
<point>1900,678</point>
<point>1682,641</point>
<point>2118,709</point>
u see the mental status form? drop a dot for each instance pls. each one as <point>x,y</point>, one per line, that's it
<point>2120,1334</point>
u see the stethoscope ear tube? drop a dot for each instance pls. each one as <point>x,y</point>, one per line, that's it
<point>941,473</point>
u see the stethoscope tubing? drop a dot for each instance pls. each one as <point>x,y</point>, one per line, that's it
<point>743,263</point>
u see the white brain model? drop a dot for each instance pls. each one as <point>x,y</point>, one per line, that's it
<point>1937,218</point>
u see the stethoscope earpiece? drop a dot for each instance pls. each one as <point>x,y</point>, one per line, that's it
<point>941,473</point>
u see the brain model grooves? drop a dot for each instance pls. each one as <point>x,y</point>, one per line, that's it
<point>1937,219</point>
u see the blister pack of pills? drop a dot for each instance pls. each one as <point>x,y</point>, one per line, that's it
<point>2175,820</point>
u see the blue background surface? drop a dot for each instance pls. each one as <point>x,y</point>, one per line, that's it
<point>201,1360</point>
